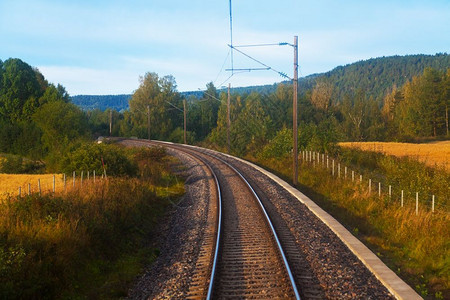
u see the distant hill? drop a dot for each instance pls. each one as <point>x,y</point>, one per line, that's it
<point>374,76</point>
<point>102,102</point>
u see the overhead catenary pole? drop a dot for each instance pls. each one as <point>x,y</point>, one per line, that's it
<point>228,118</point>
<point>148,121</point>
<point>184,113</point>
<point>294,104</point>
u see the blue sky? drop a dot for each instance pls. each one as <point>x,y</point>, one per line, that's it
<point>102,47</point>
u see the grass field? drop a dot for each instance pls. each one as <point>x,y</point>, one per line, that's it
<point>433,154</point>
<point>10,183</point>
<point>59,246</point>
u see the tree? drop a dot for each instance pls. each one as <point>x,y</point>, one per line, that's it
<point>354,112</point>
<point>446,96</point>
<point>20,89</point>
<point>278,106</point>
<point>321,94</point>
<point>160,97</point>
<point>60,123</point>
<point>423,112</point>
<point>250,129</point>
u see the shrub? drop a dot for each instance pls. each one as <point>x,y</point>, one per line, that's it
<point>279,146</point>
<point>99,157</point>
<point>15,164</point>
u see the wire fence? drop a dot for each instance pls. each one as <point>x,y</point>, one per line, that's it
<point>375,184</point>
<point>60,183</point>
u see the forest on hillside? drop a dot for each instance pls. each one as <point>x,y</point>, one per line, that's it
<point>102,102</point>
<point>376,76</point>
<point>38,120</point>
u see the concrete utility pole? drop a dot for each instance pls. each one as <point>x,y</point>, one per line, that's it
<point>148,121</point>
<point>184,112</point>
<point>228,119</point>
<point>295,129</point>
<point>110,122</point>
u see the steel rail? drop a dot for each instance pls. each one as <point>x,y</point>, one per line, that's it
<point>261,205</point>
<point>219,219</point>
<point>280,248</point>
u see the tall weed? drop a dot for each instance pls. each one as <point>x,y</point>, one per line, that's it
<point>47,242</point>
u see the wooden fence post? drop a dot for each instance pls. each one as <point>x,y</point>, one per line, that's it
<point>73,178</point>
<point>39,186</point>
<point>402,200</point>
<point>20,191</point>
<point>333,168</point>
<point>370,185</point>
<point>29,189</point>
<point>417,203</point>
<point>379,189</point>
<point>432,204</point>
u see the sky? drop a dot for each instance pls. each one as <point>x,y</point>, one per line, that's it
<point>103,47</point>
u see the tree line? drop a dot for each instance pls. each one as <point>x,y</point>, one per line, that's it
<point>36,117</point>
<point>375,76</point>
<point>38,120</point>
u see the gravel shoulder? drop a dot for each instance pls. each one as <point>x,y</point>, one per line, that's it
<point>179,239</point>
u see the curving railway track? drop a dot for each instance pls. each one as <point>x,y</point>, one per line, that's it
<point>246,260</point>
<point>259,242</point>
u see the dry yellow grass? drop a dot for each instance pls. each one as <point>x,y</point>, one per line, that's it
<point>433,154</point>
<point>10,183</point>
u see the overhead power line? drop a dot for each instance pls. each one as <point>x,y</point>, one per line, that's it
<point>259,62</point>
<point>231,36</point>
<point>261,45</point>
<point>176,107</point>
<point>223,65</point>
<point>226,80</point>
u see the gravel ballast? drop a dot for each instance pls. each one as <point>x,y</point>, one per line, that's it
<point>179,240</point>
<point>340,274</point>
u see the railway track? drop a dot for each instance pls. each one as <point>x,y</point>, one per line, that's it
<point>241,257</point>
<point>246,260</point>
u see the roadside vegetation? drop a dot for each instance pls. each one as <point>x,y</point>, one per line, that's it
<point>415,246</point>
<point>87,242</point>
<point>41,131</point>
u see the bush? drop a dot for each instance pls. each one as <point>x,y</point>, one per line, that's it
<point>153,165</point>
<point>99,157</point>
<point>15,164</point>
<point>279,146</point>
<point>177,136</point>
